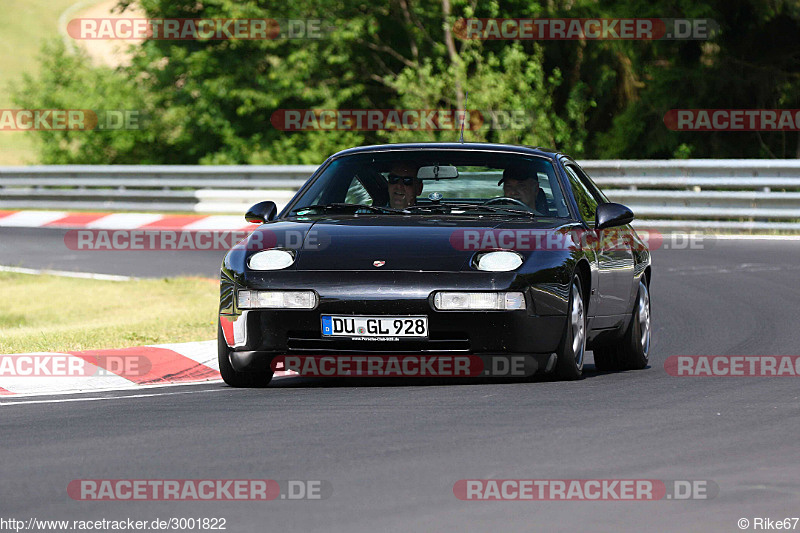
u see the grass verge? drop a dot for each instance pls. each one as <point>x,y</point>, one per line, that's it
<point>49,313</point>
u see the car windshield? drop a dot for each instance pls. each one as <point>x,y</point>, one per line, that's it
<point>435,181</point>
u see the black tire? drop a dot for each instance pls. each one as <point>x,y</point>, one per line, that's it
<point>632,350</point>
<point>572,350</point>
<point>231,376</point>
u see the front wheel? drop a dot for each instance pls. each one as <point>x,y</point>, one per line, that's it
<point>230,375</point>
<point>569,365</point>
<point>632,351</point>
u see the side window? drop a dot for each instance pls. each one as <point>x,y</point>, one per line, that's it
<point>598,195</point>
<point>587,203</point>
<point>357,193</point>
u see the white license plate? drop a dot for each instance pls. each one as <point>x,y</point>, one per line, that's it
<point>374,326</point>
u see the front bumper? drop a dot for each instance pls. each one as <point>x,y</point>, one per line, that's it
<point>264,334</point>
<point>255,337</point>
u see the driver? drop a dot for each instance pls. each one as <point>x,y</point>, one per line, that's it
<point>523,184</point>
<point>404,186</point>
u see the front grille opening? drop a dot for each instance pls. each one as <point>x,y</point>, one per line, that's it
<point>441,342</point>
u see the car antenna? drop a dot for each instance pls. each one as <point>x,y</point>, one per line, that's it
<point>463,118</point>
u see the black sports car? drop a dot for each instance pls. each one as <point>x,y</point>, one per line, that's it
<point>449,250</point>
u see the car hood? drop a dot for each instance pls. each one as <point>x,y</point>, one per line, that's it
<point>366,242</point>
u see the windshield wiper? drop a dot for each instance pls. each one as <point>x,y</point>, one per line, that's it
<point>346,208</point>
<point>448,208</point>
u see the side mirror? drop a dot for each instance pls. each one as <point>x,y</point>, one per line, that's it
<point>261,212</point>
<point>611,215</point>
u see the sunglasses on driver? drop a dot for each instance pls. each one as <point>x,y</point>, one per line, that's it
<point>394,179</point>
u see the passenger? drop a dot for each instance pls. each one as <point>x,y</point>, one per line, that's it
<point>523,184</point>
<point>404,186</point>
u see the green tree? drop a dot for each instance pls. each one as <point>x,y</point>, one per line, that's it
<point>68,80</point>
<point>212,101</point>
<point>754,63</point>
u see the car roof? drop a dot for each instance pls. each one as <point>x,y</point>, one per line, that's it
<point>507,148</point>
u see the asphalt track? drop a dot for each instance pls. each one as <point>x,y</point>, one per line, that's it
<point>392,450</point>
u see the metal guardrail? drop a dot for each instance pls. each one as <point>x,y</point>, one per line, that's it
<point>205,189</point>
<point>692,194</point>
<point>719,194</point>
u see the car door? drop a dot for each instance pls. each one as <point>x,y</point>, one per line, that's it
<point>612,246</point>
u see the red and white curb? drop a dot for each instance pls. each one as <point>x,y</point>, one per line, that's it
<point>152,221</point>
<point>121,221</point>
<point>169,364</point>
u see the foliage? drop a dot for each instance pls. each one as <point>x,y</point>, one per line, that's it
<point>211,101</point>
<point>69,81</point>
